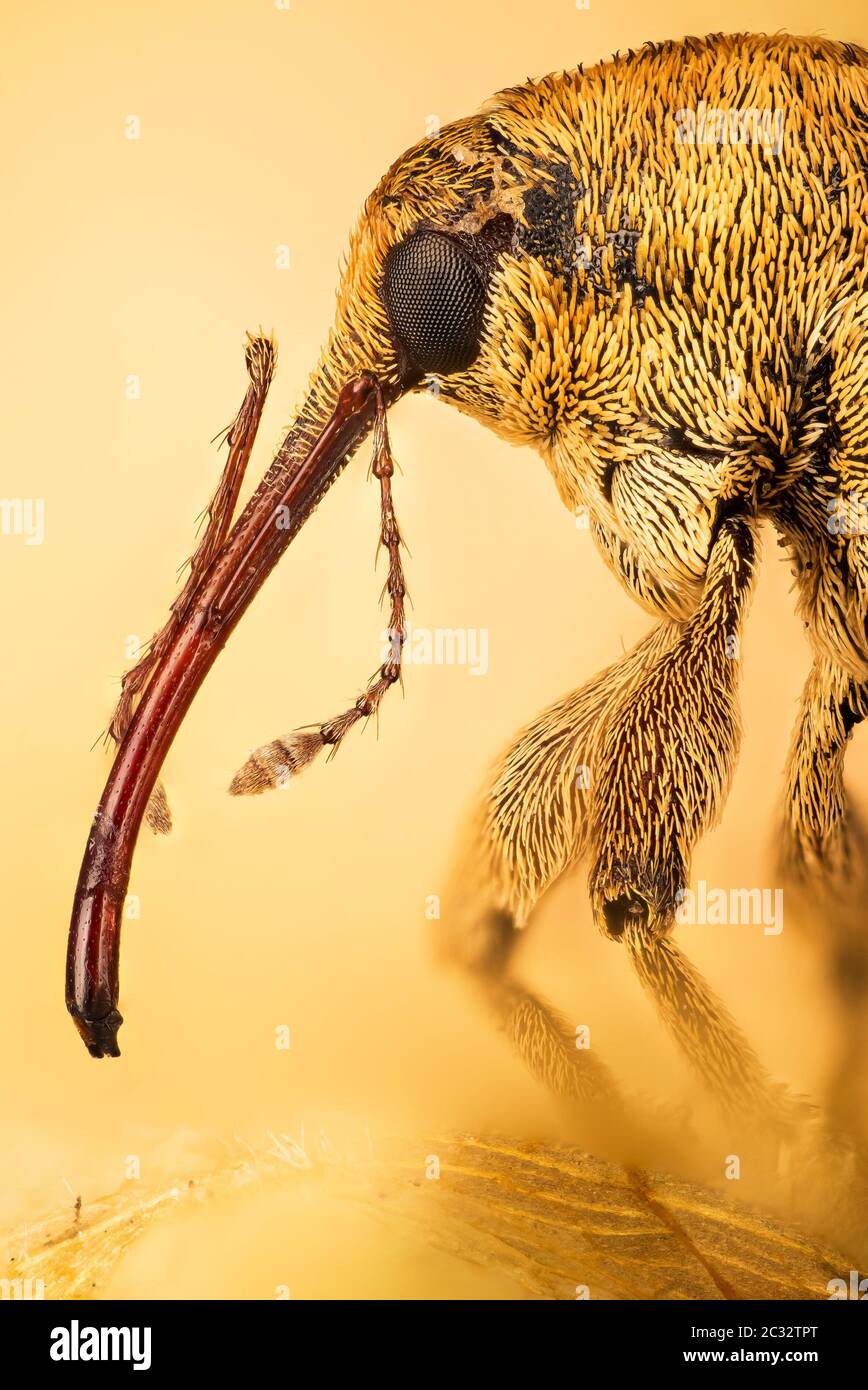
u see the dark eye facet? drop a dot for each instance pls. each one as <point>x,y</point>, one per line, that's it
<point>434,295</point>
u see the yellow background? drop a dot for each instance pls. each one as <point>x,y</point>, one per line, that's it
<point>259,127</point>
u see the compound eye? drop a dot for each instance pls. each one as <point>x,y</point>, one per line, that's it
<point>434,295</point>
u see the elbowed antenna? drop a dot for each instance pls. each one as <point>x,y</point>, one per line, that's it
<point>313,453</point>
<point>272,764</point>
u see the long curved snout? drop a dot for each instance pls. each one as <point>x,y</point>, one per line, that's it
<point>304,468</point>
<point>411,305</point>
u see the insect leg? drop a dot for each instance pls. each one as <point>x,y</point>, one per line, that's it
<point>662,772</point>
<point>530,827</point>
<point>668,750</point>
<point>824,860</point>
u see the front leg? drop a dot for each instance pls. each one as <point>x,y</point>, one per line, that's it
<point>659,779</point>
<point>665,762</point>
<point>823,857</point>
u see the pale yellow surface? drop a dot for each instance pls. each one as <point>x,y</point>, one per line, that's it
<point>259,127</point>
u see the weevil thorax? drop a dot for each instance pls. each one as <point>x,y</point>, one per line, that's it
<point>687,218</point>
<point>632,262</point>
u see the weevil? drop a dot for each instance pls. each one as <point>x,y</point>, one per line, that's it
<point>653,273</point>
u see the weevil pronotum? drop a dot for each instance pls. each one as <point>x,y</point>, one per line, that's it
<point>654,273</point>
